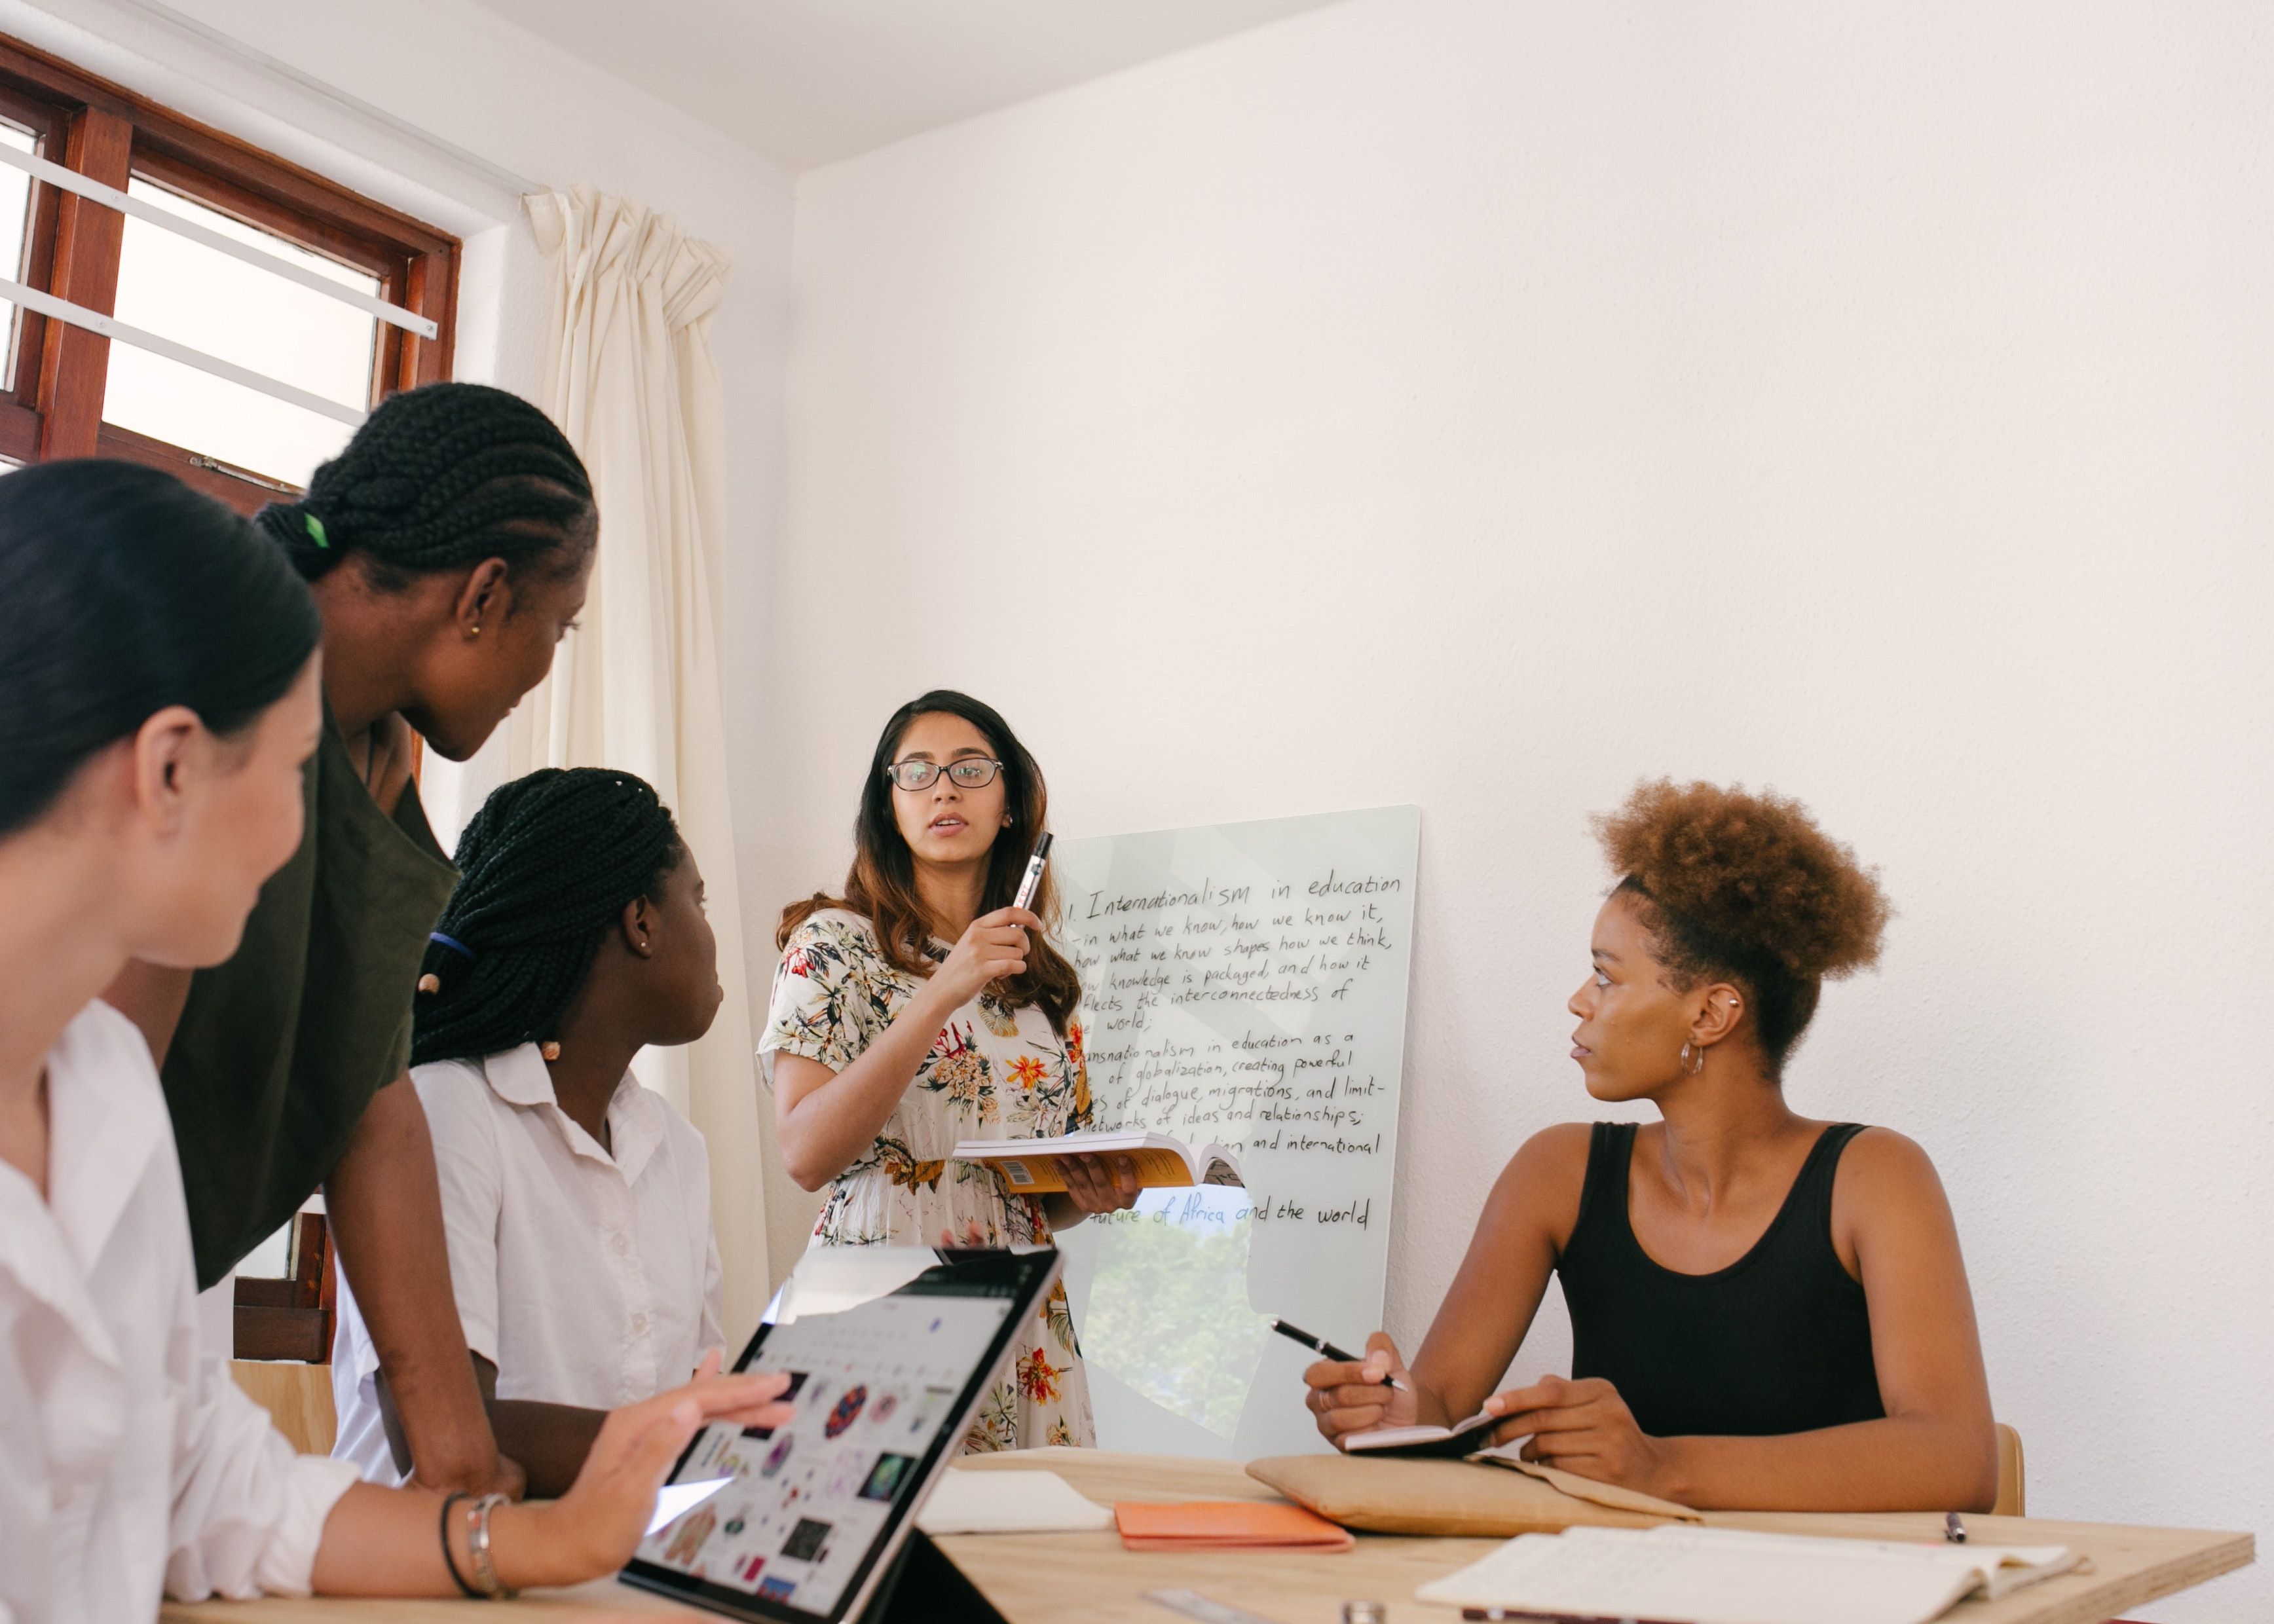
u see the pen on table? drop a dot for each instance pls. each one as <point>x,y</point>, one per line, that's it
<point>1953,1529</point>
<point>1320,1344</point>
<point>1032,879</point>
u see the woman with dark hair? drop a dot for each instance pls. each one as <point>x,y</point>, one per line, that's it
<point>921,1008</point>
<point>159,696</point>
<point>447,548</point>
<point>578,1201</point>
<point>1767,1311</point>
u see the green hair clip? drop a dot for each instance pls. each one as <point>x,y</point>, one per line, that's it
<point>315,527</point>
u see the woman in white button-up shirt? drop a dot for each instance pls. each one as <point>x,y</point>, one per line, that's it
<point>577,1202</point>
<point>159,691</point>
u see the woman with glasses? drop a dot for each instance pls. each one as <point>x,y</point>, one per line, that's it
<point>922,1008</point>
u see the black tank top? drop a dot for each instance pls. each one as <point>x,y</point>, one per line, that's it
<point>1779,1342</point>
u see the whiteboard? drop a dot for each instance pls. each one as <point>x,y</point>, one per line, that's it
<point>1245,984</point>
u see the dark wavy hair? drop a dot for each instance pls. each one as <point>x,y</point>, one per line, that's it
<point>125,591</point>
<point>1746,887</point>
<point>881,884</point>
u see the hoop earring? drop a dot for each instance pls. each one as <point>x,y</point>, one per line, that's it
<point>1692,1059</point>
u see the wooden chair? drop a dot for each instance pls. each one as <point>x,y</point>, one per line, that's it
<point>282,1339</point>
<point>291,1318</point>
<point>2011,1483</point>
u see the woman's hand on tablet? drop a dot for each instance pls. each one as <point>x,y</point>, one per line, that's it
<point>974,1237</point>
<point>1348,1396</point>
<point>594,1528</point>
<point>384,1542</point>
<point>1580,1426</point>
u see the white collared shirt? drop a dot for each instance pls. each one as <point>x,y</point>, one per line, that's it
<point>587,1275</point>
<point>129,1460</point>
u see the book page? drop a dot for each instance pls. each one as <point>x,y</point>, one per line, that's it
<point>1031,1174</point>
<point>1669,1573</point>
<point>1399,1437</point>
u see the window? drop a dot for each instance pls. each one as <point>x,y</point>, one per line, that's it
<point>272,308</point>
<point>69,391</point>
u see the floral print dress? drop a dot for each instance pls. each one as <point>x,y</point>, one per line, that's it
<point>992,1072</point>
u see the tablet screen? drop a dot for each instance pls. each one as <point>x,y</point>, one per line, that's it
<point>882,1389</point>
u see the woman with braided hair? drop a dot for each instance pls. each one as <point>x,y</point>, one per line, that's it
<point>160,693</point>
<point>576,1201</point>
<point>448,549</point>
<point>1768,1312</point>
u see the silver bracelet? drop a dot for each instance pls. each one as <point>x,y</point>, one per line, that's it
<point>477,1544</point>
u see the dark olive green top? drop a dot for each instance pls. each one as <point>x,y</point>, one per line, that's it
<point>280,1049</point>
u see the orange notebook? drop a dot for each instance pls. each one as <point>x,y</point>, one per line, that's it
<point>1226,1525</point>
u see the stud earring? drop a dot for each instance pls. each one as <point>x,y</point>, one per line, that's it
<point>550,1050</point>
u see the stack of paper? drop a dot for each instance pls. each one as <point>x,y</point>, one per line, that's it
<point>1008,1502</point>
<point>1227,1525</point>
<point>1715,1576</point>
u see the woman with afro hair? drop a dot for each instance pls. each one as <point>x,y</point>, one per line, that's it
<point>1767,1311</point>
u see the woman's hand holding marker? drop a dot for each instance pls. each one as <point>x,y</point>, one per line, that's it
<point>1358,1396</point>
<point>994,949</point>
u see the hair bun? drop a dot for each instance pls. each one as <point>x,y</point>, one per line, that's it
<point>1753,870</point>
<point>307,540</point>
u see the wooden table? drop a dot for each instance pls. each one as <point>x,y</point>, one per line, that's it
<point>1044,1578</point>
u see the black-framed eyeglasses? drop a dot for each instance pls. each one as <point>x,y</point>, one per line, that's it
<point>968,772</point>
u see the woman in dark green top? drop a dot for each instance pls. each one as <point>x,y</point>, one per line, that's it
<point>449,548</point>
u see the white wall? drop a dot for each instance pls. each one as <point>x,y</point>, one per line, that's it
<point>1489,405</point>
<point>451,96</point>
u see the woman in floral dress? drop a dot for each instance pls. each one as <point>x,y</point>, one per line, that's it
<point>920,1009</point>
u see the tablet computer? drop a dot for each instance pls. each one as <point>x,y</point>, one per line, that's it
<point>890,1352</point>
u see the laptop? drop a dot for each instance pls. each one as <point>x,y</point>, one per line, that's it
<point>890,1352</point>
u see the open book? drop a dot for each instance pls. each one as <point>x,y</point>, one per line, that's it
<point>1457,1439</point>
<point>1720,1575</point>
<point>1030,1166</point>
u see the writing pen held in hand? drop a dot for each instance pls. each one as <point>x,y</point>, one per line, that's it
<point>1321,1346</point>
<point>1032,882</point>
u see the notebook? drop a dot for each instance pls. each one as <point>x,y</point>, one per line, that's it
<point>1030,1166</point>
<point>1458,1438</point>
<point>1226,1525</point>
<point>1685,1574</point>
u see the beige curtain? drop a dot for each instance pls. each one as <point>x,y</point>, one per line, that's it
<point>630,381</point>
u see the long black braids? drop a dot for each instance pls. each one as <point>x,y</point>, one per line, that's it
<point>440,477</point>
<point>546,867</point>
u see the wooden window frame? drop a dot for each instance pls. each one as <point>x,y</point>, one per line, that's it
<point>72,247</point>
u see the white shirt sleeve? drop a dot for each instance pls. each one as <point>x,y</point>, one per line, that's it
<point>714,1333</point>
<point>463,1120</point>
<point>693,1154</point>
<point>247,1512</point>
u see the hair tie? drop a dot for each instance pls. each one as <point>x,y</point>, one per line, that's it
<point>452,942</point>
<point>314,526</point>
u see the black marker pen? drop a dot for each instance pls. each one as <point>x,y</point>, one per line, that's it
<point>1032,879</point>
